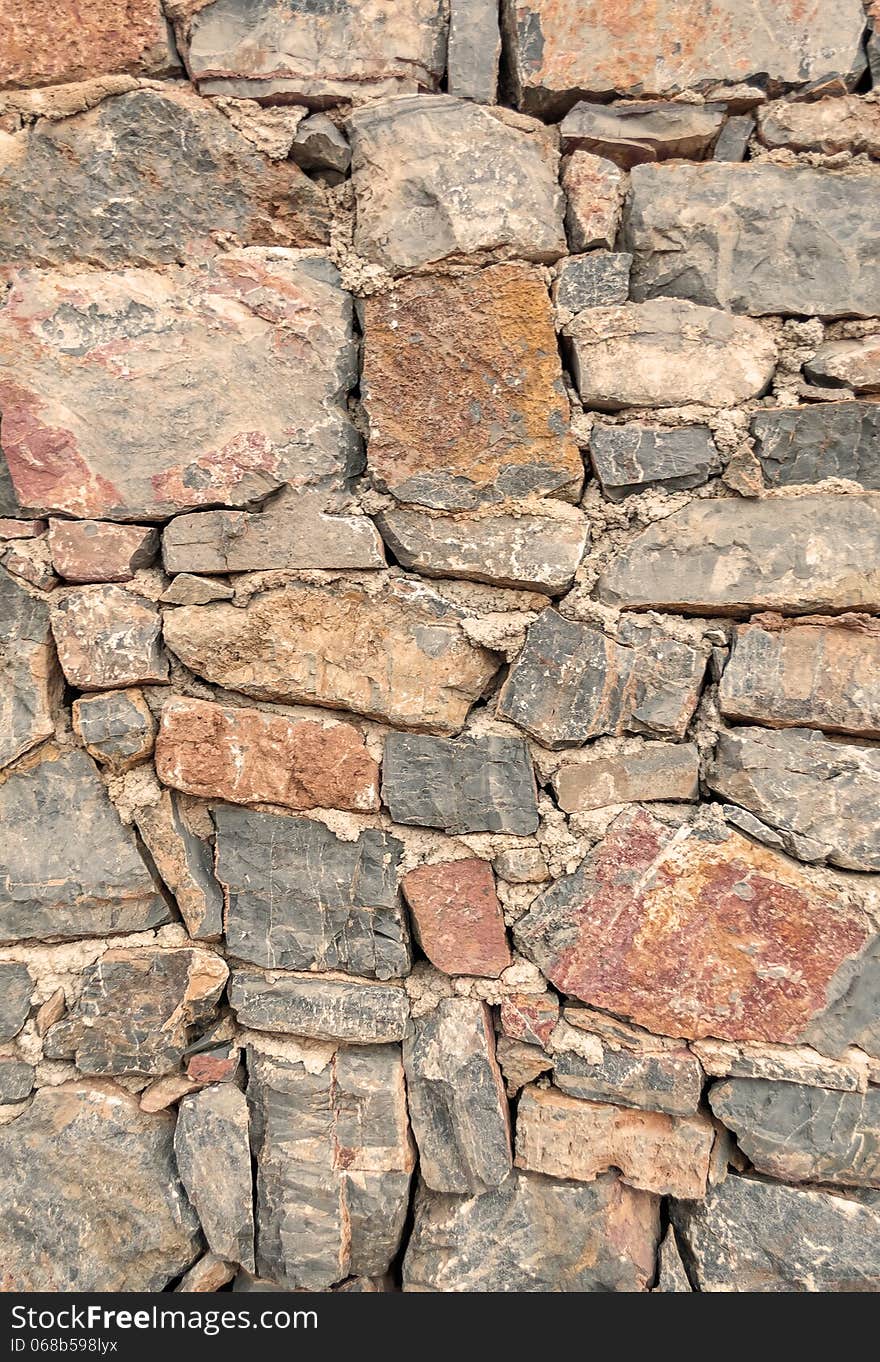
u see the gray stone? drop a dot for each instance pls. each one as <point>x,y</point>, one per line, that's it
<point>189,589</point>
<point>135,1010</point>
<point>751,1235</point>
<point>824,440</point>
<point>806,786</point>
<point>474,50</point>
<point>600,279</point>
<point>108,638</point>
<point>654,771</point>
<point>469,785</point>
<point>734,556</point>
<point>756,238</point>
<point>630,458</point>
<point>184,863</point>
<point>68,867</point>
<point>319,1006</point>
<point>536,553</point>
<point>438,178</point>
<point>873,51</point>
<point>851,364</point>
<point>299,898</point>
<point>803,1134</point>
<point>629,134</point>
<point>571,682</point>
<point>669,1080</point>
<point>733,140</point>
<point>534,1234</point>
<point>852,1016</point>
<point>671,1274</point>
<point>214,1159</point>
<point>456,1098</point>
<point>16,987</point>
<point>142,179</point>
<point>334,1160</point>
<point>91,1196</point>
<point>117,727</point>
<point>667,353</point>
<point>16,1080</point>
<point>320,146</point>
<point>30,682</point>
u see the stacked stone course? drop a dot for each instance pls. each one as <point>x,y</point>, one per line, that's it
<point>440,589</point>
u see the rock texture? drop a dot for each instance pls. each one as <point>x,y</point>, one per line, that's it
<point>629,134</point>
<point>29,678</point>
<point>45,44</point>
<point>469,785</point>
<point>333,1009</point>
<point>664,771</point>
<point>631,458</point>
<point>107,638</point>
<point>807,444</point>
<point>214,1158</point>
<point>116,727</point>
<point>457,917</point>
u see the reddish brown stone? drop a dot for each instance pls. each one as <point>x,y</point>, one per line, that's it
<point>457,917</point>
<point>248,757</point>
<point>97,551</point>
<point>47,42</point>
<point>213,1067</point>
<point>21,529</point>
<point>694,934</point>
<point>530,1017</point>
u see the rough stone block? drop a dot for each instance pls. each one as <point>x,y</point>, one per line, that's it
<point>599,279</point>
<point>333,1009</point>
<point>594,193</point>
<point>185,864</point>
<point>529,1017</point>
<point>470,785</point>
<point>116,727</point>
<point>851,364</point>
<point>16,1080</point>
<point>214,1159</point>
<point>827,125</point>
<point>827,440</point>
<point>656,771</point>
<point>457,918</point>
<point>474,50</point>
<point>629,134</point>
<point>30,682</point>
<point>95,551</point>
<point>668,1080</point>
<point>107,639</point>
<point>630,458</point>
<point>47,42</point>
<point>16,987</point>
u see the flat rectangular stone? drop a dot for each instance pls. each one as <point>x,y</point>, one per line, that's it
<point>655,771</point>
<point>249,757</point>
<point>47,42</point>
<point>474,50</point>
<point>825,440</point>
<point>784,1064</point>
<point>469,785</point>
<point>732,557</point>
<point>95,551</point>
<point>108,638</point>
<point>629,134</point>
<point>333,1009</point>
<point>827,125</point>
<point>630,458</point>
<point>571,682</point>
<point>565,1138</point>
<point>670,1080</point>
<point>299,898</point>
<point>813,673</point>
<point>598,279</point>
<point>704,232</point>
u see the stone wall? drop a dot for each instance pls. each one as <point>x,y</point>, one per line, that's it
<point>440,580</point>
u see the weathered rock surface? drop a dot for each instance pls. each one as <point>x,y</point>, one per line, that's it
<point>132,174</point>
<point>98,422</point>
<point>630,458</point>
<point>529,1017</point>
<point>469,785</point>
<point>827,440</point>
<point>656,771</point>
<point>532,552</point>
<point>600,685</point>
<point>101,1207</point>
<point>565,1138</point>
<point>64,876</point>
<point>116,727</point>
<point>812,673</point>
<point>136,1007</point>
<point>667,353</point>
<point>783,1064</point>
<point>756,238</point>
<point>97,551</point>
<point>320,146</point>
<point>438,178</point>
<point>598,279</point>
<point>214,1159</point>
<point>534,1234</point>
<point>667,1080</point>
<point>456,1098</point>
<point>594,193</point>
<point>312,53</point>
<point>851,364</point>
<point>247,757</point>
<point>520,1063</point>
<point>845,124</point>
<point>563,51</point>
<point>803,1134</point>
<point>299,898</point>
<point>396,655</point>
<point>462,385</point>
<point>819,793</point>
<point>108,638</point>
<point>644,928</point>
<point>16,987</point>
<point>44,42</point>
<point>189,589</point>
<point>185,864</point>
<point>474,50</point>
<point>333,1009</point>
<point>16,1080</point>
<point>731,557</point>
<point>29,677</point>
<point>334,1160</point>
<point>629,134</point>
<point>752,1235</point>
<point>733,140</point>
<point>457,918</point>
<point>671,1274</point>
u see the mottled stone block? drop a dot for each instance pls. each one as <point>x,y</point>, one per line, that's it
<point>462,386</point>
<point>633,457</point>
<point>16,1080</point>
<point>189,589</point>
<point>599,279</point>
<point>184,862</point>
<point>30,682</point>
<point>457,918</point>
<point>826,440</point>
<point>571,682</point>
<point>456,1098</point>
<point>653,905</point>
<point>655,771</point>
<point>668,1080</point>
<point>629,134</point>
<point>297,897</point>
<point>594,193</point>
<point>116,727</point>
<point>756,238</point>
<point>529,1017</point>
<point>213,1154</point>
<point>827,125</point>
<point>470,785</point>
<point>671,1273</point>
<point>333,1009</point>
<point>851,364</point>
<point>784,1064</point>
<point>108,638</point>
<point>732,557</point>
<point>16,987</point>
<point>97,551</point>
<point>63,876</point>
<point>47,42</point>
